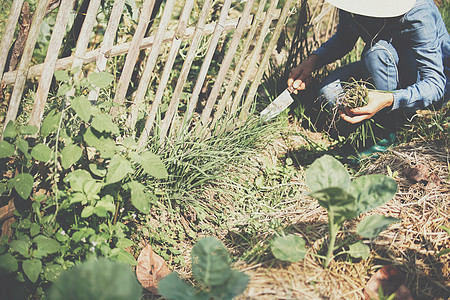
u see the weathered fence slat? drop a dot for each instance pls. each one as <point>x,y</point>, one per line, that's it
<point>85,34</point>
<point>8,34</point>
<point>108,42</point>
<point>175,47</point>
<point>50,61</point>
<point>206,63</point>
<point>116,50</point>
<point>183,74</point>
<point>226,63</point>
<point>251,69</point>
<point>21,73</point>
<point>124,81</point>
<point>226,98</point>
<point>151,60</point>
<point>265,60</point>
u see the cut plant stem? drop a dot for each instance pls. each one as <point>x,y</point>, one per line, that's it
<point>333,229</point>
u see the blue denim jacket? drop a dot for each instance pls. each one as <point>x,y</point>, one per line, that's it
<point>421,29</point>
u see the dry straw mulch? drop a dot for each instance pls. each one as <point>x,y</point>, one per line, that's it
<point>412,245</point>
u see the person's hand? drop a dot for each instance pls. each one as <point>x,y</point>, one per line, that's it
<point>377,101</point>
<point>300,75</point>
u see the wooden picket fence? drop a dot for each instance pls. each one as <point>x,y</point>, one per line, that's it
<point>230,97</point>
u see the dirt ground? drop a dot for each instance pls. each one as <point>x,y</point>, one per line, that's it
<point>411,245</point>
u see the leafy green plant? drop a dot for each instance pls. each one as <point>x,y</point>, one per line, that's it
<point>211,268</point>
<point>74,185</point>
<point>289,248</point>
<point>344,199</point>
<point>96,279</point>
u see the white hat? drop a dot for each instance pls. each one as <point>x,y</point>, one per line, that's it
<point>375,8</point>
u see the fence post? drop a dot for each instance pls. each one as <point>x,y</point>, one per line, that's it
<point>83,40</point>
<point>226,98</point>
<point>50,61</point>
<point>8,34</point>
<point>251,69</point>
<point>108,42</point>
<point>184,72</point>
<point>151,61</point>
<point>265,60</point>
<point>133,52</point>
<point>226,63</point>
<point>176,44</point>
<point>22,70</point>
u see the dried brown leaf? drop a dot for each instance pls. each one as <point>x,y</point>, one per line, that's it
<point>151,268</point>
<point>391,281</point>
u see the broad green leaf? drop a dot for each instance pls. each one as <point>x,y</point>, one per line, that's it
<point>152,164</point>
<point>118,168</point>
<point>371,226</point>
<point>289,248</point>
<point>100,211</point>
<point>87,212</point>
<point>77,197</point>
<point>82,106</point>
<point>6,149</point>
<point>92,138</point>
<point>92,188</point>
<point>46,244</point>
<point>97,170</point>
<point>50,123</point>
<point>3,187</point>
<point>77,179</point>
<point>105,145</point>
<point>124,243</point>
<point>41,152</point>
<point>138,197</point>
<point>35,229</point>
<point>339,203</point>
<point>23,146</point>
<point>10,131</point>
<point>210,262</point>
<point>326,172</point>
<point>8,264</point>
<point>20,246</point>
<point>108,206</point>
<point>372,191</point>
<point>235,285</point>
<point>96,279</point>
<point>359,250</point>
<point>63,90</point>
<point>125,257</point>
<point>101,80</point>
<point>70,155</point>
<point>28,129</point>
<point>173,287</point>
<point>61,75</point>
<point>23,184</point>
<point>103,123</point>
<point>32,269</point>
<point>53,271</point>
<point>25,224</point>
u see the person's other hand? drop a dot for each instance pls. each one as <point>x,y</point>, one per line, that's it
<point>377,101</point>
<point>300,75</point>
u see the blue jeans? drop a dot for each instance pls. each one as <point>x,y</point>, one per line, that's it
<point>385,66</point>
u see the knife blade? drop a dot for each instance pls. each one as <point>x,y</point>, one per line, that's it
<point>277,106</point>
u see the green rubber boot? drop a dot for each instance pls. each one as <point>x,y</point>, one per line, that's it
<point>380,147</point>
